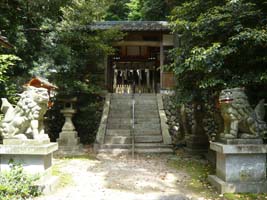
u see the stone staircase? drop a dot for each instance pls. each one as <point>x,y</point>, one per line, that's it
<point>147,132</point>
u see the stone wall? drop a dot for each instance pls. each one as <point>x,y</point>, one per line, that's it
<point>187,120</point>
<point>172,114</point>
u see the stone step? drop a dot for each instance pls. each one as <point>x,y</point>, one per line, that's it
<point>151,145</point>
<point>146,112</point>
<point>147,138</point>
<point>137,115</point>
<point>154,150</point>
<point>127,132</point>
<point>120,115</point>
<point>145,103</point>
<point>139,121</point>
<point>147,126</point>
<point>138,127</point>
<point>120,151</point>
<point>119,126</point>
<point>116,146</point>
<point>145,116</point>
<point>145,107</point>
<point>146,122</point>
<point>121,105</point>
<point>154,120</point>
<point>118,139</point>
<point>121,98</point>
<point>119,121</point>
<point>142,98</point>
<point>136,145</point>
<point>147,132</point>
<point>118,132</point>
<point>120,108</point>
<point>128,139</point>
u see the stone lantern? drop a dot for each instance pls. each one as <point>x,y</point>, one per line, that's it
<point>68,140</point>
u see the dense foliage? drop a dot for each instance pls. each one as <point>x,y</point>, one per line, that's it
<point>149,10</point>
<point>7,86</point>
<point>221,44</point>
<point>52,41</point>
<point>79,54</point>
<point>16,184</point>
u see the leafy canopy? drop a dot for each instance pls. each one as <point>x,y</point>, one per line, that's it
<point>221,44</point>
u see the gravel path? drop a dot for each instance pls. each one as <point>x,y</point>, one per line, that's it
<point>121,178</point>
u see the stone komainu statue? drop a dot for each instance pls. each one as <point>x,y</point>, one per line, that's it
<point>240,120</point>
<point>26,119</point>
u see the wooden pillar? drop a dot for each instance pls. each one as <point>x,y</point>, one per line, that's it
<point>147,78</point>
<point>161,64</point>
<point>153,79</point>
<point>115,80</point>
<point>139,77</point>
<point>122,76</point>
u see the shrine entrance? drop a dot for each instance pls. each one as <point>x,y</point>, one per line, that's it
<point>137,64</point>
<point>135,77</point>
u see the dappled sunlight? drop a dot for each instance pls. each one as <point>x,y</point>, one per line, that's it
<point>111,177</point>
<point>140,175</point>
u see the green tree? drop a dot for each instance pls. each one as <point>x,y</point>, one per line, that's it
<point>134,10</point>
<point>118,10</point>
<point>80,51</point>
<point>78,54</point>
<point>7,86</point>
<point>25,24</point>
<point>222,44</point>
<point>154,10</point>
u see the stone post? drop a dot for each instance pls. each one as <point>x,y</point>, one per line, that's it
<point>68,141</point>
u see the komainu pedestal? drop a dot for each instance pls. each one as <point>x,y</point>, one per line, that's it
<point>240,152</point>
<point>22,136</point>
<point>35,157</point>
<point>240,166</point>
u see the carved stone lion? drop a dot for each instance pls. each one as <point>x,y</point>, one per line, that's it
<point>26,119</point>
<point>240,120</point>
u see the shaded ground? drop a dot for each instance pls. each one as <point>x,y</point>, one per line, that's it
<point>145,177</point>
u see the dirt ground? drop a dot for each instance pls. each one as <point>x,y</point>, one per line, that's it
<point>146,177</point>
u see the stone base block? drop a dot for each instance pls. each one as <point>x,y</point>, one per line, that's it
<point>34,158</point>
<point>240,141</point>
<point>34,155</point>
<point>240,168</point>
<point>237,187</point>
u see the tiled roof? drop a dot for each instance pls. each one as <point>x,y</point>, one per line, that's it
<point>131,25</point>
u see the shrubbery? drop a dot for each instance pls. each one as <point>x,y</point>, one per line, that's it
<point>16,184</point>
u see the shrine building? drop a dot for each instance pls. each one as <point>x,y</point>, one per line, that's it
<point>139,58</point>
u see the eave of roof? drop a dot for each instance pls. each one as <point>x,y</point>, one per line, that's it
<point>130,25</point>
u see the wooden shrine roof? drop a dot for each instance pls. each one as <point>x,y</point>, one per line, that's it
<point>41,82</point>
<point>131,25</point>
